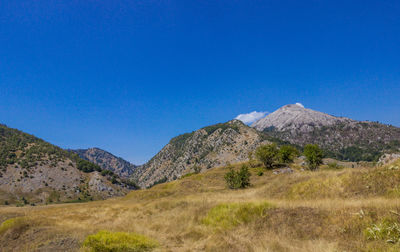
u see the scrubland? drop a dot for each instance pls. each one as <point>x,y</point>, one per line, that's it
<point>341,209</point>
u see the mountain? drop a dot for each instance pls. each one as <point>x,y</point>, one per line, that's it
<point>37,172</point>
<point>296,118</point>
<point>341,137</point>
<point>205,148</point>
<point>107,161</point>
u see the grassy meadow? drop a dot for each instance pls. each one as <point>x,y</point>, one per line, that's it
<point>332,209</point>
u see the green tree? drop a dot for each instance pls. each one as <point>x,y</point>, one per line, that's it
<point>287,153</point>
<point>313,155</point>
<point>244,177</point>
<point>239,179</point>
<point>231,178</point>
<point>267,154</point>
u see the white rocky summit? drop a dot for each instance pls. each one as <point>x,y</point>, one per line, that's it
<point>296,117</point>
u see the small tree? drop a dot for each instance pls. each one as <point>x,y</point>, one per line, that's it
<point>231,178</point>
<point>313,156</point>
<point>244,177</point>
<point>267,154</point>
<point>240,179</point>
<point>287,153</point>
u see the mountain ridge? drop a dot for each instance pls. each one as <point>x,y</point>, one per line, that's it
<point>107,161</point>
<point>208,147</point>
<point>36,172</point>
<point>341,137</point>
<point>293,116</point>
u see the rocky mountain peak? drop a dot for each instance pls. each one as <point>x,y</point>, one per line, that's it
<point>296,117</point>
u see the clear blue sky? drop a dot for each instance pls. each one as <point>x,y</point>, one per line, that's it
<point>126,76</point>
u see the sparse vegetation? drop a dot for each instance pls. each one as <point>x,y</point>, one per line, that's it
<point>229,215</point>
<point>106,241</point>
<point>13,223</point>
<point>325,210</point>
<point>223,126</point>
<point>388,230</point>
<point>334,166</point>
<point>27,153</point>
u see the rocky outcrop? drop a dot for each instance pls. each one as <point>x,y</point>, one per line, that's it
<point>388,158</point>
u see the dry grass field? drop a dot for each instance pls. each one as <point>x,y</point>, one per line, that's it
<point>327,210</point>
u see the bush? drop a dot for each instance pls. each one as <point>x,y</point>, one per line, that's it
<point>313,156</point>
<point>87,166</point>
<point>287,153</point>
<point>106,241</point>
<point>267,154</point>
<point>238,179</point>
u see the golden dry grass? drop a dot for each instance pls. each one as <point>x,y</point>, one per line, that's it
<point>312,211</point>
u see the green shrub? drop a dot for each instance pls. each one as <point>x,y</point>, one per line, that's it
<point>313,155</point>
<point>87,166</point>
<point>229,215</point>
<point>267,154</point>
<point>238,179</point>
<point>387,230</point>
<point>287,153</point>
<point>106,241</point>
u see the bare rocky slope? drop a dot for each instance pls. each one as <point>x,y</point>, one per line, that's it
<point>205,148</point>
<point>107,161</point>
<point>33,171</point>
<point>298,119</point>
<point>341,137</point>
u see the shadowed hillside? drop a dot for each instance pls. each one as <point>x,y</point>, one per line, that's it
<point>107,161</point>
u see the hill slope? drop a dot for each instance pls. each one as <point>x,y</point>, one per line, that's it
<point>107,161</point>
<point>205,148</point>
<point>324,210</point>
<point>34,171</point>
<point>342,138</point>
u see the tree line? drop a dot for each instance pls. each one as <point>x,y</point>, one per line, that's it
<point>271,156</point>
